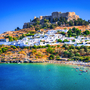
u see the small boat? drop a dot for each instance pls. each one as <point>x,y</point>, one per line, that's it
<point>80,74</point>
<point>18,62</point>
<point>80,70</point>
<point>83,70</point>
<point>77,67</point>
<point>74,67</point>
<point>8,62</point>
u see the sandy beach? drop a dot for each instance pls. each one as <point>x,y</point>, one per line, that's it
<point>79,63</point>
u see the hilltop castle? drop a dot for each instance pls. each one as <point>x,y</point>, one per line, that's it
<point>68,15</point>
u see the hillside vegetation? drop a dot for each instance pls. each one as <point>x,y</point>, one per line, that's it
<point>12,53</point>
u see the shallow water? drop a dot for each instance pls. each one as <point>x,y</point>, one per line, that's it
<point>35,76</point>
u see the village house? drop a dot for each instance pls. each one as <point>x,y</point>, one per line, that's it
<point>50,37</point>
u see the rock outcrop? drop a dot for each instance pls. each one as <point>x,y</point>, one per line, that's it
<point>68,15</point>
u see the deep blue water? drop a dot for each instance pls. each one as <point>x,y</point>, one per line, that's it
<point>42,77</point>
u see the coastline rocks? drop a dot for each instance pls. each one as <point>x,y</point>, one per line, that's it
<point>27,61</point>
<point>17,61</point>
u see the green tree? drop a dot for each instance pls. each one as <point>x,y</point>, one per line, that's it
<point>78,32</point>
<point>17,46</point>
<point>69,33</point>
<point>70,55</point>
<point>10,38</point>
<point>50,50</point>
<point>51,57</point>
<point>85,48</point>
<point>65,54</point>
<point>77,54</point>
<point>77,47</point>
<point>52,26</point>
<point>46,21</point>
<point>35,47</point>
<point>82,47</point>
<point>54,20</point>
<point>15,38</point>
<point>63,33</point>
<point>75,23</point>
<point>37,22</point>
<point>59,23</point>
<point>4,49</point>
<point>86,59</point>
<point>57,57</point>
<point>72,47</point>
<point>0,51</point>
<point>58,46</point>
<point>14,47</point>
<point>73,40</point>
<point>37,28</point>
<point>18,28</point>
<point>86,32</point>
<point>65,46</point>
<point>71,23</point>
<point>47,45</point>
<point>65,40</point>
<point>59,40</point>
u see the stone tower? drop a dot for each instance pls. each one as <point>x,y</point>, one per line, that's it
<point>34,17</point>
<point>41,17</point>
<point>55,15</point>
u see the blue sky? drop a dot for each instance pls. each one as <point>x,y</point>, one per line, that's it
<point>14,13</point>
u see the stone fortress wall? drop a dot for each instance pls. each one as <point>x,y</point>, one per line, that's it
<point>68,15</point>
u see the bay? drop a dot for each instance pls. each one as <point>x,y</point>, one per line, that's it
<point>43,76</point>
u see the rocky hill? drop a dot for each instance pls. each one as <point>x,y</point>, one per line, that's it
<point>57,20</point>
<point>15,33</point>
<point>26,30</point>
<point>55,16</point>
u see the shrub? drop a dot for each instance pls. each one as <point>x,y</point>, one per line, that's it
<point>63,33</point>
<point>58,46</point>
<point>59,40</point>
<point>35,47</point>
<point>0,51</point>
<point>71,47</point>
<point>86,32</point>
<point>4,49</point>
<point>50,50</point>
<point>47,45</point>
<point>17,46</point>
<point>57,57</point>
<point>73,40</point>
<point>77,54</point>
<point>14,47</point>
<point>37,28</point>
<point>51,57</point>
<point>65,40</point>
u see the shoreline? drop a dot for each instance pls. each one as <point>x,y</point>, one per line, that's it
<point>78,63</point>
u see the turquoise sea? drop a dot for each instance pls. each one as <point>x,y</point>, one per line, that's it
<point>35,76</point>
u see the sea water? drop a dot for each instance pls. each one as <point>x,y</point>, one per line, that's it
<point>35,76</point>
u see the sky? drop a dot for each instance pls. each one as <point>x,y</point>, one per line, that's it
<point>14,13</point>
